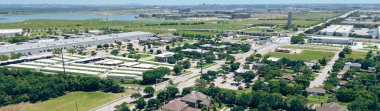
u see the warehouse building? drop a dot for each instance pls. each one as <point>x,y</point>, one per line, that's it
<point>337,30</point>
<point>331,40</point>
<point>10,32</point>
<point>36,48</point>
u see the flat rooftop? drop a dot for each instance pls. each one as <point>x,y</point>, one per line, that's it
<point>64,42</point>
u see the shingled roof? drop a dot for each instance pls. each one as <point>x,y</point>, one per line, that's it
<point>330,107</point>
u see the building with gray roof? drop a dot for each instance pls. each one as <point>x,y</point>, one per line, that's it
<point>35,48</point>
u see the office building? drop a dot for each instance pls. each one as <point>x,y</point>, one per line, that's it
<point>331,40</point>
<point>35,48</point>
<point>10,32</point>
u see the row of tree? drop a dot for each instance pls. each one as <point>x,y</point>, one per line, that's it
<point>20,85</point>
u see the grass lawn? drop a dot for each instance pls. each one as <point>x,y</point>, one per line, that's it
<point>318,99</point>
<point>305,55</point>
<point>206,65</point>
<point>86,101</point>
<point>357,55</point>
<point>312,47</point>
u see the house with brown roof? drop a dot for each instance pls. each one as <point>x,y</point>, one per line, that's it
<point>330,107</point>
<point>197,100</point>
<point>315,91</point>
<point>177,105</point>
<point>168,37</point>
<point>287,78</point>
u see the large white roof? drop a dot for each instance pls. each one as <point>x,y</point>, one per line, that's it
<point>8,31</point>
<point>64,42</point>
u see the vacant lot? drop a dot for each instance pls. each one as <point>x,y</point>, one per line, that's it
<point>356,55</point>
<point>305,55</point>
<point>86,101</point>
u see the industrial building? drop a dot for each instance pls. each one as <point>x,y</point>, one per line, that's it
<point>290,17</point>
<point>337,30</point>
<point>331,40</point>
<point>10,32</point>
<point>35,48</point>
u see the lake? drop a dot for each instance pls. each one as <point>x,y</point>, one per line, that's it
<point>68,16</point>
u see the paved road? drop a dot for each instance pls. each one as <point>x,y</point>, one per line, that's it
<point>189,79</point>
<point>324,73</point>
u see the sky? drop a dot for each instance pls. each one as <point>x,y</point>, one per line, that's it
<point>186,2</point>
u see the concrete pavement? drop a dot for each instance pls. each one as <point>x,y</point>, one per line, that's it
<point>324,73</point>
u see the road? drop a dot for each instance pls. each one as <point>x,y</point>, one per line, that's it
<point>189,79</point>
<point>324,73</point>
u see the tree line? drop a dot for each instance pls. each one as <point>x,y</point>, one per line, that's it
<point>21,85</point>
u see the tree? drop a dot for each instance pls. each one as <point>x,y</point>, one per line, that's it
<point>130,46</point>
<point>15,56</point>
<point>149,91</point>
<point>237,108</point>
<point>235,66</point>
<point>258,55</point>
<point>136,95</point>
<point>150,76</point>
<point>238,79</point>
<point>297,103</point>
<point>71,51</point>
<point>155,104</point>
<point>342,55</point>
<point>93,53</point>
<point>137,56</point>
<point>323,61</point>
<point>186,64</point>
<point>57,51</point>
<point>106,45</point>
<point>167,48</point>
<point>177,69</point>
<point>122,107</point>
<point>316,67</point>
<point>140,103</point>
<point>99,46</point>
<point>297,40</point>
<point>209,58</point>
<point>347,50</point>
<point>114,52</point>
<point>158,52</point>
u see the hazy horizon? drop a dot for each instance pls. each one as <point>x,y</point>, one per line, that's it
<point>186,2</point>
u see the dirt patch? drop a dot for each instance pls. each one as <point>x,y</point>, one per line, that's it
<point>16,107</point>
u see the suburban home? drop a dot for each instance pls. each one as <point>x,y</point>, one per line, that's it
<point>287,78</point>
<point>228,34</point>
<point>371,69</point>
<point>164,56</point>
<point>330,107</point>
<point>315,91</point>
<point>177,105</point>
<point>354,66</point>
<point>342,82</point>
<point>197,100</point>
<point>283,50</point>
<point>168,37</point>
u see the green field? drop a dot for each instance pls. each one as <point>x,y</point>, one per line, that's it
<point>313,47</point>
<point>357,55</point>
<point>41,27</point>
<point>318,99</point>
<point>86,101</point>
<point>304,55</point>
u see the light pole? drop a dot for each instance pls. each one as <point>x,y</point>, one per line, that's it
<point>201,63</point>
<point>63,62</point>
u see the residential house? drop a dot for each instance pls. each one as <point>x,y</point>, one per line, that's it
<point>371,69</point>
<point>177,105</point>
<point>355,66</point>
<point>315,91</point>
<point>288,78</point>
<point>197,100</point>
<point>330,107</point>
<point>164,56</point>
<point>169,37</point>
